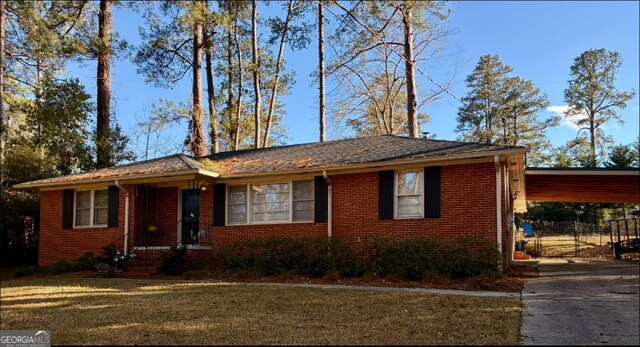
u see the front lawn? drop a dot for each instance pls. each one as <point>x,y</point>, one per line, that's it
<point>119,311</point>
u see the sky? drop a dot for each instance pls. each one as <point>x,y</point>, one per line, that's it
<point>539,40</point>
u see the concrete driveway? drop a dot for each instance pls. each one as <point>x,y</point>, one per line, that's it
<point>582,302</point>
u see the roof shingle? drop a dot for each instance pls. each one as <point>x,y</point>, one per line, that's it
<point>317,155</point>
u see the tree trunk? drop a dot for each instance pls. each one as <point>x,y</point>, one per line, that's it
<point>321,66</point>
<point>2,125</point>
<point>274,89</point>
<point>412,102</point>
<point>213,118</point>
<point>103,80</point>
<point>3,232</point>
<point>592,145</point>
<point>239,100</point>
<point>256,74</point>
<point>198,145</point>
<point>230,96</point>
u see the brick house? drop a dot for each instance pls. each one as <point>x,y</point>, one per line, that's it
<point>353,189</point>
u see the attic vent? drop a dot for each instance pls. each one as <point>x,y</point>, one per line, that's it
<point>425,135</point>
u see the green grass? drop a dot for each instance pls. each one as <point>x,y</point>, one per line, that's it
<point>564,245</point>
<point>116,311</point>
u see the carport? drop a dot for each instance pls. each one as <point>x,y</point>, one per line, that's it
<point>585,185</point>
<point>606,185</point>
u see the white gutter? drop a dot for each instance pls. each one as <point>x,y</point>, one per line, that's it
<point>126,218</point>
<point>326,178</point>
<point>496,160</point>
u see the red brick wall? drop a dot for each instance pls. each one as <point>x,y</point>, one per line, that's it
<point>70,244</point>
<point>468,208</point>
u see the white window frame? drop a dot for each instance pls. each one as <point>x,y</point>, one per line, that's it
<point>396,195</point>
<point>91,209</point>
<point>249,220</point>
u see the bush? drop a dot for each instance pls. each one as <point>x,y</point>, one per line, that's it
<point>413,259</point>
<point>108,253</point>
<point>174,261</point>
<point>23,271</point>
<point>416,259</point>
<point>59,267</point>
<point>87,262</point>
<point>279,255</point>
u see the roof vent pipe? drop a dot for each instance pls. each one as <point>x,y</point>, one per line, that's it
<point>425,135</point>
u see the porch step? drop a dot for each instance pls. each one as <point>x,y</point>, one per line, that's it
<point>519,255</point>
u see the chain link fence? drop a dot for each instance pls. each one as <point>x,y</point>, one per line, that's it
<point>564,239</point>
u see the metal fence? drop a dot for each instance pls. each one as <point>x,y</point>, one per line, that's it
<point>565,239</point>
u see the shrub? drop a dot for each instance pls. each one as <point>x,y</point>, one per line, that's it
<point>416,259</point>
<point>108,253</point>
<point>278,255</point>
<point>59,267</point>
<point>174,261</point>
<point>23,271</point>
<point>87,262</point>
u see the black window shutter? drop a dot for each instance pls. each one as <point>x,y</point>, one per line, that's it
<point>321,206</point>
<point>432,192</point>
<point>67,208</point>
<point>385,194</point>
<point>113,207</point>
<point>219,203</point>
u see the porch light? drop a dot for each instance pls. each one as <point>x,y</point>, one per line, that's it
<point>204,186</point>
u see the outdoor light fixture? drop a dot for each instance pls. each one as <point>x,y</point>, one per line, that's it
<point>204,186</point>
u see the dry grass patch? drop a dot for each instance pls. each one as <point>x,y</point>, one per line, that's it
<point>116,311</point>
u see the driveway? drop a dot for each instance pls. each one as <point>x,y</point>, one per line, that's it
<point>582,302</point>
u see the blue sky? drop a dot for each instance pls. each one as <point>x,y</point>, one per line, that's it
<point>538,39</point>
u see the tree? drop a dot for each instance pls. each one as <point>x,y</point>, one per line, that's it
<point>485,105</point>
<point>621,156</point>
<point>256,72</point>
<point>503,109</point>
<point>58,122</point>
<point>376,48</point>
<point>321,73</point>
<point>173,46</point>
<point>297,36</point>
<point>593,97</point>
<point>103,81</point>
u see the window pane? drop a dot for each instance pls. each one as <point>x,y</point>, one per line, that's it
<point>303,190</point>
<point>83,216</point>
<point>237,205</point>
<point>238,195</point>
<point>238,214</point>
<point>270,202</point>
<point>410,183</point>
<point>410,205</point>
<point>100,216</point>
<point>83,199</point>
<point>101,198</point>
<point>303,210</point>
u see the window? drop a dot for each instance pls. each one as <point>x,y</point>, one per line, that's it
<point>303,201</point>
<point>237,205</point>
<point>91,208</point>
<point>409,194</point>
<point>272,202</point>
<point>269,202</point>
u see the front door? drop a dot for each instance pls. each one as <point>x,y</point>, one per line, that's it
<point>190,216</point>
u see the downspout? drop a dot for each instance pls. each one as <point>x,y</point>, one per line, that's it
<point>326,179</point>
<point>496,160</point>
<point>126,218</point>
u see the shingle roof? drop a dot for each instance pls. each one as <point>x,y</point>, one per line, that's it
<point>172,164</point>
<point>318,155</point>
<point>345,152</point>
